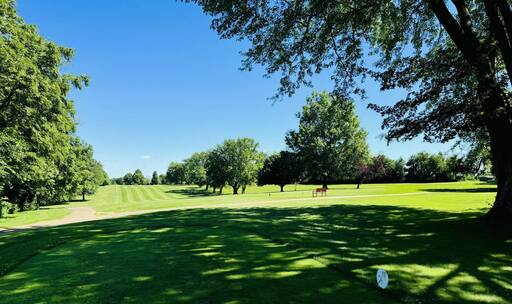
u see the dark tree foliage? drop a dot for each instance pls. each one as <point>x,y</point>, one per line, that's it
<point>117,181</point>
<point>280,169</point>
<point>175,173</point>
<point>138,178</point>
<point>128,179</point>
<point>454,57</point>
<point>215,169</point>
<point>163,179</point>
<point>423,167</point>
<point>155,179</point>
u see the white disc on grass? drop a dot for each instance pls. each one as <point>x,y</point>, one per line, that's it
<point>382,278</point>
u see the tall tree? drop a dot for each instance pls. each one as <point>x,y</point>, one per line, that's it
<point>138,178</point>
<point>36,117</point>
<point>195,170</point>
<point>280,169</point>
<point>175,173</point>
<point>329,142</point>
<point>239,161</point>
<point>88,173</point>
<point>128,179</point>
<point>215,169</point>
<point>155,180</point>
<point>454,57</point>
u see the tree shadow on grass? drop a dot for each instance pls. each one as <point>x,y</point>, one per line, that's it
<point>322,254</point>
<point>466,190</point>
<point>192,192</point>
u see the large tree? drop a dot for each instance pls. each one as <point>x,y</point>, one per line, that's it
<point>216,174</point>
<point>83,174</point>
<point>175,173</point>
<point>453,57</point>
<point>138,178</point>
<point>238,162</point>
<point>195,170</point>
<point>37,120</point>
<point>329,142</point>
<point>280,169</point>
<point>155,180</point>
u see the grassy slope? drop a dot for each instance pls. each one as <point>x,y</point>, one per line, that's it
<point>432,244</point>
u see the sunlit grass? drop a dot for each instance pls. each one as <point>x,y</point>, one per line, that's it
<point>445,196</point>
<point>34,216</point>
<point>267,246</point>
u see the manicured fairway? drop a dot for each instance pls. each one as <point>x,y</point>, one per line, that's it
<point>267,249</point>
<point>445,196</point>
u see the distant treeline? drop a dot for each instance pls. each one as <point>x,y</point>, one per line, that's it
<point>328,147</point>
<point>283,168</point>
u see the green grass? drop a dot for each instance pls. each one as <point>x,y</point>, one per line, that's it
<point>273,250</point>
<point>30,217</point>
<point>444,196</point>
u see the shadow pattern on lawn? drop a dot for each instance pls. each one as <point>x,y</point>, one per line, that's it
<point>259,255</point>
<point>466,190</point>
<point>192,192</point>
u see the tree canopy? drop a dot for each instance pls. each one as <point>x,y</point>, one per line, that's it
<point>329,141</point>
<point>195,170</point>
<point>175,173</point>
<point>453,57</point>
<point>280,169</point>
<point>155,179</point>
<point>240,161</point>
<point>42,160</point>
<point>138,178</point>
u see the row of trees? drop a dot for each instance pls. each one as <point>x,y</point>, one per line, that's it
<point>421,167</point>
<point>235,162</point>
<point>41,160</point>
<point>329,146</point>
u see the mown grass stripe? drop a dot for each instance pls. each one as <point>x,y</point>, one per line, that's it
<point>157,192</point>
<point>145,193</point>
<point>117,194</point>
<point>135,193</point>
<point>124,195</point>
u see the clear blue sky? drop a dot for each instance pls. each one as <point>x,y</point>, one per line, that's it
<point>163,85</point>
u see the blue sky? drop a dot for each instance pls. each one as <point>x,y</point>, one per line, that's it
<point>163,85</point>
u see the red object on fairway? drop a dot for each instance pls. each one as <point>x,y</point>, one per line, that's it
<point>322,191</point>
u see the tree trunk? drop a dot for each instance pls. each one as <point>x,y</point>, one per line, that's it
<point>282,188</point>
<point>214,189</point>
<point>83,196</point>
<point>324,185</point>
<point>235,190</point>
<point>499,126</point>
<point>243,189</point>
<point>358,183</point>
<point>501,156</point>
<point>220,189</point>
<point>207,187</point>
